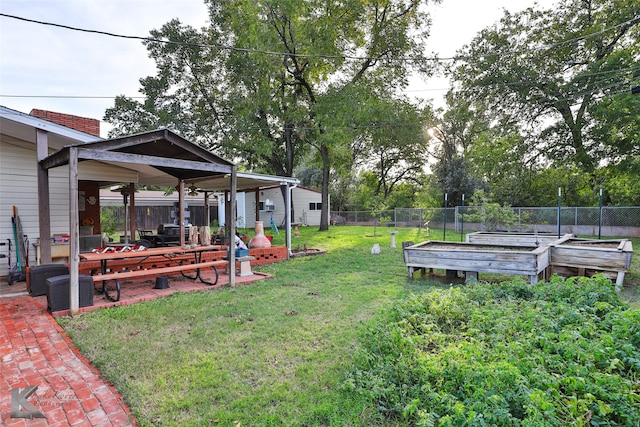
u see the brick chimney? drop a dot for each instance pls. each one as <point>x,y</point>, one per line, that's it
<point>83,124</point>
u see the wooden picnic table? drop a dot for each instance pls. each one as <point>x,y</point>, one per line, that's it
<point>170,253</point>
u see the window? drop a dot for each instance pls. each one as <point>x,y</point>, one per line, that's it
<point>267,205</point>
<point>315,206</point>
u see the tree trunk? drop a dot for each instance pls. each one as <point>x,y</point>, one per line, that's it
<point>324,213</point>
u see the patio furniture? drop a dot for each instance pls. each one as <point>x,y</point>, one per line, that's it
<point>172,254</point>
<point>38,274</point>
<point>58,292</point>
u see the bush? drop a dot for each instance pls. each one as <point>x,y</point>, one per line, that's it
<point>110,222</point>
<point>490,215</point>
<point>561,353</point>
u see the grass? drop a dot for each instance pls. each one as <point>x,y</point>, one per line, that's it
<point>275,352</point>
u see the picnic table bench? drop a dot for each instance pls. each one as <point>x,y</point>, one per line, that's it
<point>136,265</point>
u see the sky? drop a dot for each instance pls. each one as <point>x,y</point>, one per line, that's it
<point>80,73</point>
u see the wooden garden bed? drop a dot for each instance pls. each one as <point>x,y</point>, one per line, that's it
<point>585,257</point>
<point>472,258</point>
<point>514,239</point>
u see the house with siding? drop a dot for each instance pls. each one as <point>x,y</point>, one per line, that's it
<point>18,174</point>
<point>19,137</point>
<point>306,204</point>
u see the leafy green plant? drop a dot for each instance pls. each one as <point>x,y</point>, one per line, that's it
<point>110,223</point>
<point>491,215</point>
<point>277,352</point>
<point>561,353</point>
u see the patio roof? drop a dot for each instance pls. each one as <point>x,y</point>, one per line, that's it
<point>160,157</point>
<point>246,181</point>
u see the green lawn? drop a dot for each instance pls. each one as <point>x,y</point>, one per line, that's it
<point>275,352</point>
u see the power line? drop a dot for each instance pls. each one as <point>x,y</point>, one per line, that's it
<point>220,46</point>
<point>320,55</point>
<point>69,96</point>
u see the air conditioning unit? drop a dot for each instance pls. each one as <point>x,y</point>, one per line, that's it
<point>269,206</point>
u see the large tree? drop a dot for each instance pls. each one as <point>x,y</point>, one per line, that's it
<point>450,135</point>
<point>393,146</point>
<point>551,72</point>
<point>271,82</point>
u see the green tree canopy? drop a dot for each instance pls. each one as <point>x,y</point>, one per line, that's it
<point>562,76</point>
<point>272,82</point>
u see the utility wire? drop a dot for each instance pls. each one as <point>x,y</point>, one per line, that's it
<point>220,46</point>
<point>631,21</point>
<point>69,96</point>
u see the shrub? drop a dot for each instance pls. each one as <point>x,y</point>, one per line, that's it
<point>110,222</point>
<point>490,215</point>
<point>561,353</point>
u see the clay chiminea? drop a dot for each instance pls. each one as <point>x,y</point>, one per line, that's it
<point>259,240</point>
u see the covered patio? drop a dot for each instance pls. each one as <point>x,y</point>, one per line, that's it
<point>158,157</point>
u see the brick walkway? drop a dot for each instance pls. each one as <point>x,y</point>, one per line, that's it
<point>35,351</point>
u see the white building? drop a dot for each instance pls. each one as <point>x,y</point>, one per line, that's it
<point>306,205</point>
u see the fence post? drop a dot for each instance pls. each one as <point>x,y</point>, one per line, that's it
<point>444,237</point>
<point>559,206</point>
<point>600,217</point>
<point>462,229</point>
<point>455,218</point>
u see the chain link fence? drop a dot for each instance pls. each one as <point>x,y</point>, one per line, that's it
<point>608,221</point>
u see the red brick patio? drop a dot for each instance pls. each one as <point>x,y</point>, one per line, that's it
<point>35,351</point>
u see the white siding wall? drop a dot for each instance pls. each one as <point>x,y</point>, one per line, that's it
<point>301,197</point>
<point>18,186</point>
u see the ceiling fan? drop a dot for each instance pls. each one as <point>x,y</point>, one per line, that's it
<point>193,190</point>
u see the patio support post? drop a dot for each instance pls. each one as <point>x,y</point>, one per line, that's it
<point>132,212</point>
<point>207,214</point>
<point>44,218</point>
<point>181,211</point>
<point>229,217</point>
<point>257,197</point>
<point>288,217</point>
<point>232,227</point>
<point>222,210</point>
<point>74,230</point>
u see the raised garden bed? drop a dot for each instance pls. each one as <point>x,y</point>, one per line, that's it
<point>514,238</point>
<point>586,257</point>
<point>472,258</point>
